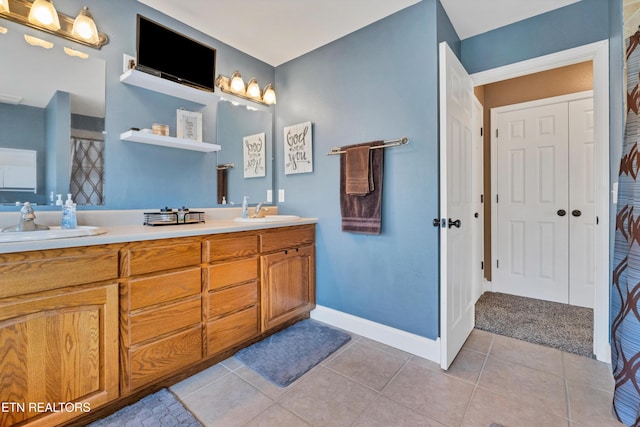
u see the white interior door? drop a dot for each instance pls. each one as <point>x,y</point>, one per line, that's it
<point>533,253</point>
<point>582,202</point>
<point>477,262</point>
<point>457,309</point>
<point>546,201</point>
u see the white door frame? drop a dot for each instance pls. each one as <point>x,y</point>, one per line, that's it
<point>597,52</point>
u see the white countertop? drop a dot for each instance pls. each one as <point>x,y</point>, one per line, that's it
<point>126,226</point>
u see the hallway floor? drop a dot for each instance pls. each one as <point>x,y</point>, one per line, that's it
<point>494,379</point>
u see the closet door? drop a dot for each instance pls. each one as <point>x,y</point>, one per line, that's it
<point>582,221</point>
<point>533,216</point>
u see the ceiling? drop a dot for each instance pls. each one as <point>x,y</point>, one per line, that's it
<point>280,30</point>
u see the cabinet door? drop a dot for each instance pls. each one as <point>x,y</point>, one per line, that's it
<point>58,354</point>
<point>288,285</point>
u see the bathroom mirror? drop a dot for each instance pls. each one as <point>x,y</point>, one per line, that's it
<point>49,103</point>
<point>234,123</point>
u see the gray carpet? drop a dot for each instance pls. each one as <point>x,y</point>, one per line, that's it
<point>562,326</point>
<point>161,409</point>
<point>287,355</point>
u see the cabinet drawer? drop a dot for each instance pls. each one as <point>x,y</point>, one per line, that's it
<point>147,291</point>
<point>229,273</point>
<point>232,299</point>
<point>163,357</point>
<point>287,237</point>
<point>228,246</point>
<point>160,321</point>
<point>228,331</point>
<point>159,256</point>
<point>34,271</point>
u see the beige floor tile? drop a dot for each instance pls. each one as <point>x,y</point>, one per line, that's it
<point>256,380</point>
<point>590,372</point>
<point>524,353</point>
<point>591,407</point>
<point>467,365</point>
<point>276,416</point>
<point>479,341</point>
<point>525,384</point>
<point>487,407</point>
<point>367,365</point>
<point>435,394</point>
<point>199,380</point>
<point>386,348</point>
<point>228,402</point>
<point>385,412</point>
<point>325,398</point>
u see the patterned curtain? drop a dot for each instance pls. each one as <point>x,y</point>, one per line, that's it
<point>87,171</point>
<point>625,292</point>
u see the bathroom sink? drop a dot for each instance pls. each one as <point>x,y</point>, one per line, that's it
<point>269,218</point>
<point>52,233</point>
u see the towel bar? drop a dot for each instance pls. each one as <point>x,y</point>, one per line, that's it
<point>385,144</point>
<point>225,166</point>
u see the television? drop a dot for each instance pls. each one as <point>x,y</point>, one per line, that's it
<point>170,55</point>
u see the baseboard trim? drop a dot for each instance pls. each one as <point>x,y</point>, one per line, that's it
<point>405,341</point>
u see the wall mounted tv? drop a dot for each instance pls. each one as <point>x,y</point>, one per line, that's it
<point>173,56</point>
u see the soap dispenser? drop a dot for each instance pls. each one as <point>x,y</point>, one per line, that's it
<point>245,207</point>
<point>69,219</point>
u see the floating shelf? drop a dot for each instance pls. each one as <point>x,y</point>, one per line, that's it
<point>168,141</point>
<point>167,87</point>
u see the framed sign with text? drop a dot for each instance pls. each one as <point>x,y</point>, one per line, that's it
<point>253,155</point>
<point>298,149</point>
<point>189,125</point>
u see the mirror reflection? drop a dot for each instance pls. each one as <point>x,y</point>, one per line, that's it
<point>246,139</point>
<point>52,107</point>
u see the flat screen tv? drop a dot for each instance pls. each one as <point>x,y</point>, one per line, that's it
<point>173,56</point>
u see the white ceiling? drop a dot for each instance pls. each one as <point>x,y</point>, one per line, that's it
<point>277,31</point>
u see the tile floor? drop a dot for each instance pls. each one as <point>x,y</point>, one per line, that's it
<point>494,379</point>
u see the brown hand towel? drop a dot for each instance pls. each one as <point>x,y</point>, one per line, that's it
<point>359,176</point>
<point>363,214</point>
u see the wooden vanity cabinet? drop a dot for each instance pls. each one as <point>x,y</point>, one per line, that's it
<point>58,347</point>
<point>161,309</point>
<point>287,265</point>
<point>231,289</point>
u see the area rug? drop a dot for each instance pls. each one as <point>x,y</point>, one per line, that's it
<point>285,356</point>
<point>565,327</point>
<point>161,409</point>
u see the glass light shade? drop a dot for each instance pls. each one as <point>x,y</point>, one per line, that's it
<point>4,6</point>
<point>237,84</point>
<point>84,27</point>
<point>253,89</point>
<point>44,14</point>
<point>269,96</point>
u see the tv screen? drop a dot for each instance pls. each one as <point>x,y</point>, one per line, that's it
<point>173,56</point>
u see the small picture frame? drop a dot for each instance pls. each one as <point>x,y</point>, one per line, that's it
<point>189,125</point>
<point>253,155</point>
<point>298,149</point>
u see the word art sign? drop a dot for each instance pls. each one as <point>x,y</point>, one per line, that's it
<point>254,153</point>
<point>298,146</point>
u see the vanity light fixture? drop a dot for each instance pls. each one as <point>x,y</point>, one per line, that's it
<point>42,15</point>
<point>251,91</point>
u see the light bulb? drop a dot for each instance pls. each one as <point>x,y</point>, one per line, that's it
<point>84,27</point>
<point>43,13</point>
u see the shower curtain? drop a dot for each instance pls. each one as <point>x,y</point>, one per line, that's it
<point>87,171</point>
<point>625,291</point>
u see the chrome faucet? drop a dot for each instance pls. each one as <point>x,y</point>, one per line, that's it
<point>27,220</point>
<point>260,210</point>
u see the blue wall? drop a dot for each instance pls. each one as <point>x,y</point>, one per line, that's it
<point>377,83</point>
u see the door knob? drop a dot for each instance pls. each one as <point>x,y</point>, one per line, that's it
<point>561,212</point>
<point>453,223</point>
<point>576,212</point>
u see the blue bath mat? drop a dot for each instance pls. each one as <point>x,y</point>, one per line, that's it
<point>285,356</point>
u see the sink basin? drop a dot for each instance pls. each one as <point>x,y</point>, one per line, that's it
<point>52,233</point>
<point>269,218</point>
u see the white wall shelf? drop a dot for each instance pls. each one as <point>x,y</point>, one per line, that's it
<point>168,141</point>
<point>168,87</point>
